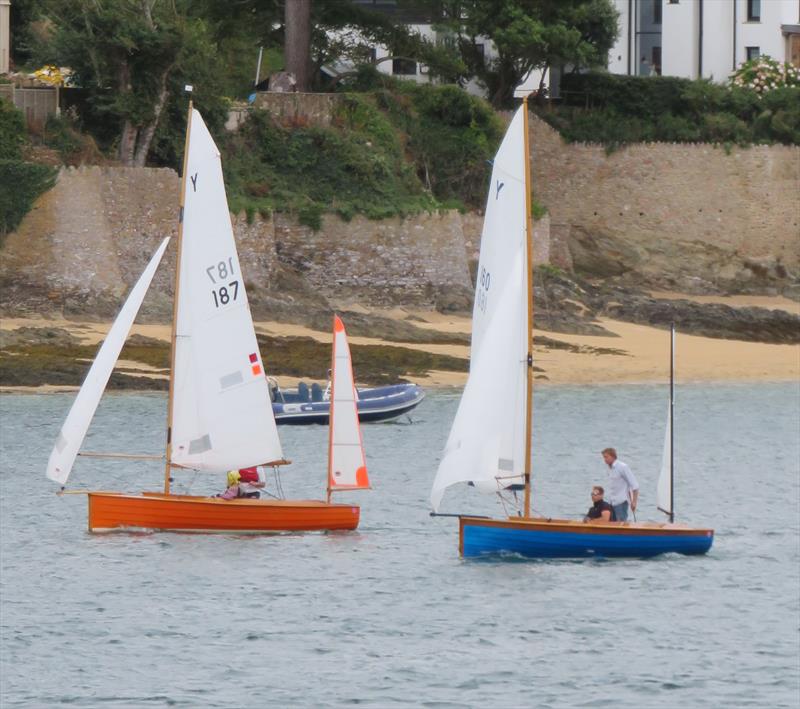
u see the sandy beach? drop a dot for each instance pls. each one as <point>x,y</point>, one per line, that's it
<point>640,353</point>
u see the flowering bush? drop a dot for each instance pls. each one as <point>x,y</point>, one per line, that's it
<point>50,74</point>
<point>764,74</point>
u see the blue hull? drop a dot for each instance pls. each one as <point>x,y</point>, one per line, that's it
<point>379,404</point>
<point>570,540</point>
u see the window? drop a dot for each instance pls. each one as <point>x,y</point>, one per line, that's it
<point>406,67</point>
<point>655,62</point>
<point>656,12</point>
<point>752,52</point>
<point>754,10</point>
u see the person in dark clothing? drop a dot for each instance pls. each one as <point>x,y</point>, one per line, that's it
<point>600,512</point>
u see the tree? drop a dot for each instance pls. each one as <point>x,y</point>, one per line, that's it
<point>320,32</point>
<point>528,35</point>
<point>126,53</point>
<point>298,42</point>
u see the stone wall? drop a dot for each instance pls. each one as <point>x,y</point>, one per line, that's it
<point>673,199</point>
<point>87,240</point>
<point>297,109</point>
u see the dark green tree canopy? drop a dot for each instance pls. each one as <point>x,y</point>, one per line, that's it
<point>527,35</point>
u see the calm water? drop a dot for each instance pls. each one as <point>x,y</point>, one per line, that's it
<point>389,615</point>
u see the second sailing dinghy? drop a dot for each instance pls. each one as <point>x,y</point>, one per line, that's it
<point>219,415</point>
<point>490,441</point>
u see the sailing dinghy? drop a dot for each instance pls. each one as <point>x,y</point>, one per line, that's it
<point>490,441</point>
<point>219,415</point>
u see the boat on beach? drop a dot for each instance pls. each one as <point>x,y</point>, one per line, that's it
<point>311,405</point>
<point>490,441</point>
<point>219,416</point>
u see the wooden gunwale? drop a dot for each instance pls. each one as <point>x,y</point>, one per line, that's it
<point>650,529</point>
<point>167,512</point>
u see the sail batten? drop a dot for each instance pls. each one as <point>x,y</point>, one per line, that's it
<point>221,416</point>
<point>72,433</point>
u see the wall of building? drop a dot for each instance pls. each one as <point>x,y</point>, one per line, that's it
<point>724,26</point>
<point>5,35</point>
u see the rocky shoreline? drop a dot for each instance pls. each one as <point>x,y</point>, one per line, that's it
<point>572,320</point>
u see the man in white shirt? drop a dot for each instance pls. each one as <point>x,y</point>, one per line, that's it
<point>622,486</point>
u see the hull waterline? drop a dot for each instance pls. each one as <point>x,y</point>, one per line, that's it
<point>184,513</point>
<point>564,539</point>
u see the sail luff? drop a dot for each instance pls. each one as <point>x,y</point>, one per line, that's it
<point>529,280</point>
<point>80,415</point>
<point>179,251</point>
<point>329,489</point>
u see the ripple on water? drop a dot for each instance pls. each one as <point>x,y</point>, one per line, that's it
<point>390,616</point>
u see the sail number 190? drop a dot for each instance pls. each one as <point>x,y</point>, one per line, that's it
<point>224,291</point>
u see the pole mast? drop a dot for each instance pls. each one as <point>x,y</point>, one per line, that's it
<point>672,424</point>
<point>330,410</point>
<point>529,279</point>
<point>171,398</point>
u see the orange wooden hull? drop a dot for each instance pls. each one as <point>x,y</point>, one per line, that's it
<point>184,513</point>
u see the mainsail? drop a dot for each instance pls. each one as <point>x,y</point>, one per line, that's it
<point>486,445</point>
<point>347,468</point>
<point>221,417</point>
<point>664,488</point>
<point>72,433</point>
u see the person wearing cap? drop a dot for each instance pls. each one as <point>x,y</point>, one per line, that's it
<point>600,512</point>
<point>623,490</point>
<point>232,491</point>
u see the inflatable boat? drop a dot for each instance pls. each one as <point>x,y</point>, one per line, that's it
<point>309,404</point>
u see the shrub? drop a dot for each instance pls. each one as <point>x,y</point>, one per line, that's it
<point>20,184</point>
<point>616,110</point>
<point>764,74</point>
<point>12,131</point>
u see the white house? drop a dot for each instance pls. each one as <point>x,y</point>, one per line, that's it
<point>702,38</point>
<point>5,35</point>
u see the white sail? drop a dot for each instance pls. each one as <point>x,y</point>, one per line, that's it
<point>664,499</point>
<point>664,488</point>
<point>486,445</point>
<point>72,433</point>
<point>222,416</point>
<point>347,468</point>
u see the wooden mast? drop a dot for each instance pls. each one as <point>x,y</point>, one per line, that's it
<point>330,410</point>
<point>529,273</point>
<point>170,400</point>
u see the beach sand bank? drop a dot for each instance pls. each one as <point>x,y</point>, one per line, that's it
<point>636,353</point>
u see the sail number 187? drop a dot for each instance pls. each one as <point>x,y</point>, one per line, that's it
<point>224,291</point>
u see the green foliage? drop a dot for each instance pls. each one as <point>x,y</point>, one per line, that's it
<point>618,110</point>
<point>391,152</point>
<point>530,34</point>
<point>355,166</point>
<point>20,184</point>
<point>12,131</point>
<point>451,136</point>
